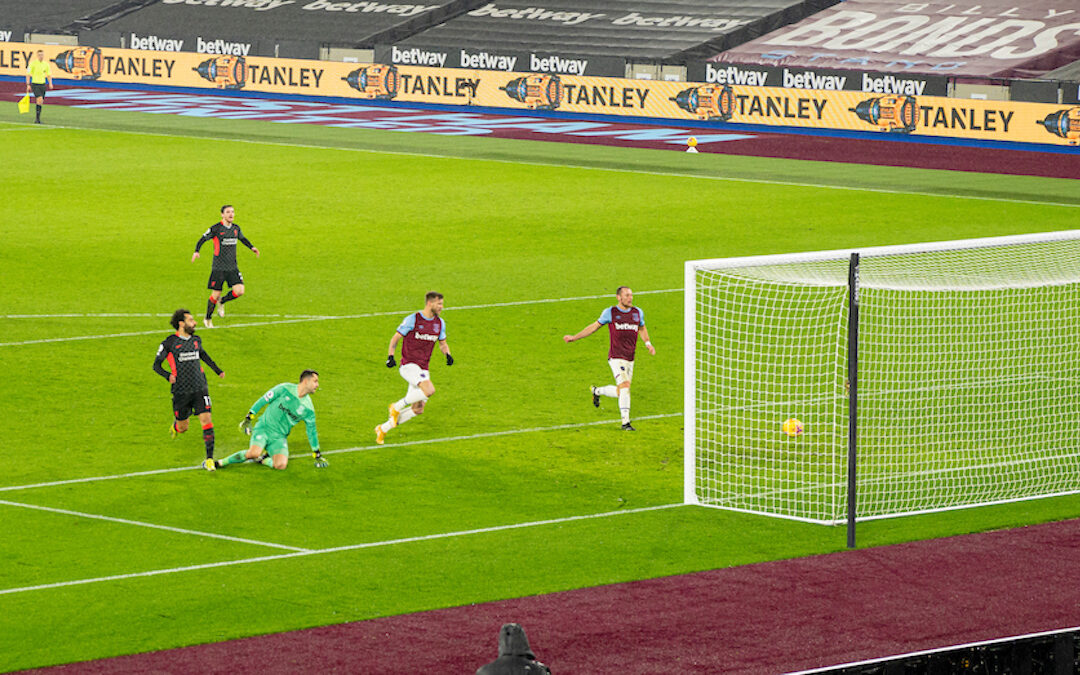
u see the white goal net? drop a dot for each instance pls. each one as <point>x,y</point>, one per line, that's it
<point>968,386</point>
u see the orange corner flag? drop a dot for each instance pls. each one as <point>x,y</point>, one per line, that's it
<point>24,104</point>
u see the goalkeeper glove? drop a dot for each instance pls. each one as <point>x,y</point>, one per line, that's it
<point>245,426</point>
<point>320,463</point>
<point>390,362</point>
<point>449,360</point>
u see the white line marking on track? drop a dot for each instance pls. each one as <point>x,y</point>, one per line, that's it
<point>359,448</point>
<point>342,317</point>
<point>340,549</point>
<point>673,174</point>
<point>139,523</point>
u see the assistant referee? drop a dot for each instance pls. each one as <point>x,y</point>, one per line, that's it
<point>38,73</point>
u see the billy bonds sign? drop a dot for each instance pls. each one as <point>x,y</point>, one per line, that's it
<point>879,112</point>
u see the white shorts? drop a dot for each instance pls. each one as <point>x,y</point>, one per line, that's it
<point>622,369</point>
<point>412,374</point>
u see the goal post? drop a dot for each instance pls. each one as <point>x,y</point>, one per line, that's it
<point>967,390</point>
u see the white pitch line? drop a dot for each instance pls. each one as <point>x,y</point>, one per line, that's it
<point>139,523</point>
<point>672,174</point>
<point>342,317</point>
<point>359,448</point>
<point>340,549</point>
<point>130,315</point>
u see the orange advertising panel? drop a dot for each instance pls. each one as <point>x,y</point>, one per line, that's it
<point>878,112</point>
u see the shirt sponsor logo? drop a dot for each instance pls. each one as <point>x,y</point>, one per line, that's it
<point>221,47</point>
<point>626,326</point>
<point>417,57</point>
<point>155,43</point>
<point>189,356</point>
<point>427,337</point>
<point>230,241</point>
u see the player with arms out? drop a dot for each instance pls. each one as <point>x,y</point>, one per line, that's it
<point>625,323</point>
<point>417,334</point>
<point>224,270</point>
<point>286,405</point>
<point>183,350</point>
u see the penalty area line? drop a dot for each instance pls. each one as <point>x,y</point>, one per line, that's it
<point>139,523</point>
<point>342,317</point>
<point>358,448</point>
<point>339,549</point>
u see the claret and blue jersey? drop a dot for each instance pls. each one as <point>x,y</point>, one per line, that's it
<point>419,337</point>
<point>623,326</point>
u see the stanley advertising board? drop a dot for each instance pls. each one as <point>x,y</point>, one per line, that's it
<point>879,112</point>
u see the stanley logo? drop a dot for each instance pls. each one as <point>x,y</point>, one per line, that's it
<point>1064,123</point>
<point>537,92</point>
<point>226,72</point>
<point>377,81</point>
<point>893,113</point>
<point>82,63</point>
<point>711,102</point>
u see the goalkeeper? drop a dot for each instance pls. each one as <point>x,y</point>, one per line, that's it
<point>288,405</point>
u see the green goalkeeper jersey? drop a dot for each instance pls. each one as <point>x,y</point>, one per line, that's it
<point>285,410</point>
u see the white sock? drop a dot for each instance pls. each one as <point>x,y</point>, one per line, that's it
<point>401,405</point>
<point>405,416</point>
<point>610,390</point>
<point>624,405</point>
<point>414,396</point>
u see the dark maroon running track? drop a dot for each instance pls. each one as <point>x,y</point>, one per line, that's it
<point>864,150</point>
<point>769,618</point>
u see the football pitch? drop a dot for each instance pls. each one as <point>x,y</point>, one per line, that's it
<point>511,484</point>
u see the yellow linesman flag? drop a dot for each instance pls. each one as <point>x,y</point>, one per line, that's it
<point>24,104</point>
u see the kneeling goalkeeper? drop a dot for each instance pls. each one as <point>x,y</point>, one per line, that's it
<point>289,404</point>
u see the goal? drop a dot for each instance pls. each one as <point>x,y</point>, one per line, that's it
<point>927,377</point>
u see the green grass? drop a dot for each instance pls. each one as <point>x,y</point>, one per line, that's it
<point>102,219</point>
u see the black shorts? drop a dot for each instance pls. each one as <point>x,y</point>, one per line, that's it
<point>38,89</point>
<point>190,403</point>
<point>220,278</point>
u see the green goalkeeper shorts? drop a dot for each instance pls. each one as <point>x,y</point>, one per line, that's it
<point>273,444</point>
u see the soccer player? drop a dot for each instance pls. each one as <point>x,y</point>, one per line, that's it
<point>625,323</point>
<point>417,334</point>
<point>287,405</point>
<point>183,350</point>
<point>38,74</point>
<point>224,269</point>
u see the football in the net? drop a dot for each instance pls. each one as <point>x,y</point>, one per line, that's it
<point>792,427</point>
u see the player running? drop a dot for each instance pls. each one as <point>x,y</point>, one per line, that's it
<point>625,323</point>
<point>289,404</point>
<point>418,334</point>
<point>224,269</point>
<point>183,350</point>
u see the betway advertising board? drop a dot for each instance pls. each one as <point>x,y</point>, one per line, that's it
<point>818,78</point>
<point>507,61</point>
<point>980,38</point>
<point>869,111</point>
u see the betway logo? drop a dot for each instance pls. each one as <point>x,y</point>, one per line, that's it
<point>808,79</point>
<point>486,61</point>
<point>417,57</point>
<point>5,36</point>
<point>892,85</point>
<point>733,75</point>
<point>154,43</point>
<point>626,326</point>
<point>257,5</point>
<point>221,47</point>
<point>556,64</point>
<point>424,336</point>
